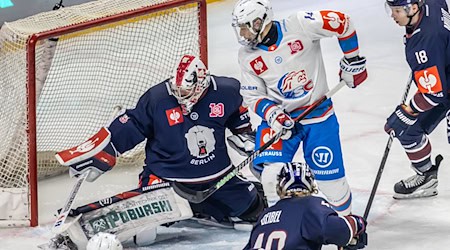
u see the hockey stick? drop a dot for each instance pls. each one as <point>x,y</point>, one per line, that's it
<point>199,196</point>
<point>116,198</point>
<point>385,155</point>
<point>60,225</point>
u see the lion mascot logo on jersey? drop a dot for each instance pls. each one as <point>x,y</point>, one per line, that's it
<point>295,84</point>
<point>200,141</point>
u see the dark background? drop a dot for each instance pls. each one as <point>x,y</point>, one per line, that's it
<point>24,8</point>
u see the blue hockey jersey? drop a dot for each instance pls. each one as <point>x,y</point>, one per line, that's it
<point>304,223</point>
<point>428,54</point>
<point>188,148</point>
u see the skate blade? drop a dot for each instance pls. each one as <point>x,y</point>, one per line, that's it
<point>416,195</point>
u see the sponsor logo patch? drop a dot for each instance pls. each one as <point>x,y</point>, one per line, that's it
<point>174,116</point>
<point>266,135</point>
<point>333,21</point>
<point>428,80</point>
<point>258,65</point>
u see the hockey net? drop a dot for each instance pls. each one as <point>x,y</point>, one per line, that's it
<point>56,93</point>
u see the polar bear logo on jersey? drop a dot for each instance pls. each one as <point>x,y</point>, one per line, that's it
<point>200,141</point>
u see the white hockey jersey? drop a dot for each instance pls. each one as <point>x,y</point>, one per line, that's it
<point>291,72</point>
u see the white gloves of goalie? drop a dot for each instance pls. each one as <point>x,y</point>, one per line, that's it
<point>353,71</point>
<point>96,155</point>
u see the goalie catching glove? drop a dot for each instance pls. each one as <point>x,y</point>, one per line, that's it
<point>353,71</point>
<point>96,155</point>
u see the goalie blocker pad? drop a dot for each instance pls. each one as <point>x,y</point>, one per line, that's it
<point>128,213</point>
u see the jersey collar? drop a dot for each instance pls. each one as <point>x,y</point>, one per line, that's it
<point>279,38</point>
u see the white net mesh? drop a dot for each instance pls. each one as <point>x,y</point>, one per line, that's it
<point>83,76</point>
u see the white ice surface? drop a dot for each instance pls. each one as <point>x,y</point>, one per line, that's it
<point>412,225</point>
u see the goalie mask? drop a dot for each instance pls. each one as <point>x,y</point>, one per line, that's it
<point>250,18</point>
<point>296,179</point>
<point>189,82</point>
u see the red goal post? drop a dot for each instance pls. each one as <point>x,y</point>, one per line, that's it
<point>56,93</point>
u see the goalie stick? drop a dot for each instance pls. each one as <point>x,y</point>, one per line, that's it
<point>116,198</point>
<point>59,226</point>
<point>385,155</point>
<point>199,196</point>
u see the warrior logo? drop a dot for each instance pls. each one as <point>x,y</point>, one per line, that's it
<point>295,84</point>
<point>200,141</point>
<point>322,156</point>
<point>333,21</point>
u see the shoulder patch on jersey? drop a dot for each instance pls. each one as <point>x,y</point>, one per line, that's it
<point>258,65</point>
<point>428,80</point>
<point>174,116</point>
<point>216,109</point>
<point>295,46</point>
<point>333,21</point>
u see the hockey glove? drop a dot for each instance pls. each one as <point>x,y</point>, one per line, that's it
<point>280,122</point>
<point>358,225</point>
<point>353,71</point>
<point>58,5</point>
<point>243,143</point>
<point>97,155</point>
<point>399,121</point>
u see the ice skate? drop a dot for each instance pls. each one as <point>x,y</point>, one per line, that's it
<point>59,242</point>
<point>419,185</point>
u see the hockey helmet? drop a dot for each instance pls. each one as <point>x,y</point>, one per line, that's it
<point>404,2</point>
<point>104,241</point>
<point>252,16</point>
<point>296,177</point>
<point>392,6</point>
<point>189,81</point>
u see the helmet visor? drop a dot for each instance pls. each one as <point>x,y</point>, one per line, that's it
<point>247,33</point>
<point>393,10</point>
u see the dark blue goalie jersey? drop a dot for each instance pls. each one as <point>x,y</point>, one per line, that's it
<point>304,223</point>
<point>428,55</point>
<point>184,148</point>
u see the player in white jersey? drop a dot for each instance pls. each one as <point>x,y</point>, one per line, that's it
<point>282,74</point>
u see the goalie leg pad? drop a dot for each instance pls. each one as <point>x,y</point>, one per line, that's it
<point>252,213</point>
<point>128,217</point>
<point>222,203</point>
